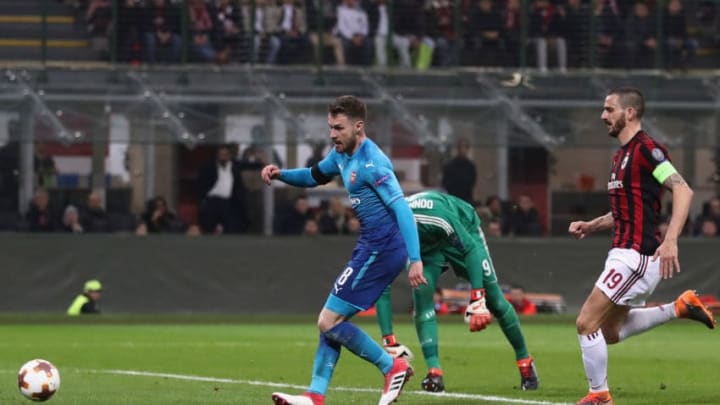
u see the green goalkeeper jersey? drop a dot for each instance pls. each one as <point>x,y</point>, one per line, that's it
<point>444,222</point>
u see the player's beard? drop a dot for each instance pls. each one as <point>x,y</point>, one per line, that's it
<point>349,147</point>
<point>617,127</point>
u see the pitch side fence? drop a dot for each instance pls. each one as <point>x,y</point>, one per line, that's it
<point>257,275</point>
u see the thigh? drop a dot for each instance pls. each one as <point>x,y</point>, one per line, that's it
<point>596,310</point>
<point>362,282</point>
<point>628,277</point>
<point>476,259</point>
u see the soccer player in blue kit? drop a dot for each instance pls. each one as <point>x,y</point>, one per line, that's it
<point>388,241</point>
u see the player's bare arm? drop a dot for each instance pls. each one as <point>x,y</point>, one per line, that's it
<point>581,229</point>
<point>269,173</point>
<point>668,250</point>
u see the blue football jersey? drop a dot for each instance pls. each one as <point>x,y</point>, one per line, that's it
<point>370,180</point>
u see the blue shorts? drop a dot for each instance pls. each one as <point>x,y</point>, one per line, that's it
<point>364,279</point>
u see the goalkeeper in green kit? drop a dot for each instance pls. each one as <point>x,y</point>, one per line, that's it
<point>449,231</point>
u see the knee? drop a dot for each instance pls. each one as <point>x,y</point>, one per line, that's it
<point>324,324</point>
<point>585,326</point>
<point>328,320</point>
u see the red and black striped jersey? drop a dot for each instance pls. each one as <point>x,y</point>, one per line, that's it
<point>635,194</point>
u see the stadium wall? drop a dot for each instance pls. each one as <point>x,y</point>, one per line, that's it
<point>248,275</point>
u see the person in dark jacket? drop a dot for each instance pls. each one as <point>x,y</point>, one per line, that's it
<point>459,174</point>
<point>222,193</point>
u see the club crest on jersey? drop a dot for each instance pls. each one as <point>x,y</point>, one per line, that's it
<point>658,154</point>
<point>353,177</point>
<point>624,161</point>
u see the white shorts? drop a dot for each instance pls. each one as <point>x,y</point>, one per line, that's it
<point>629,277</point>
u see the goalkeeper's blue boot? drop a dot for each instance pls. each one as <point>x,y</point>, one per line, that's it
<point>433,381</point>
<point>528,375</point>
<point>688,305</point>
<point>308,398</point>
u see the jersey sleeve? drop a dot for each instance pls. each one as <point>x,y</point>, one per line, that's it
<point>383,181</point>
<point>304,177</point>
<point>658,160</point>
<point>328,166</point>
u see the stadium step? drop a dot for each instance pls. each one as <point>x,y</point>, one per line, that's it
<point>22,22</point>
<point>30,26</point>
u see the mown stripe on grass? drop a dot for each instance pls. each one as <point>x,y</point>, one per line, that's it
<point>454,395</point>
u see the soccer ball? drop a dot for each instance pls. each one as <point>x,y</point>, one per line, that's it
<point>38,380</point>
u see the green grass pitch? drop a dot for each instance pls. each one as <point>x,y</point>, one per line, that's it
<point>242,360</point>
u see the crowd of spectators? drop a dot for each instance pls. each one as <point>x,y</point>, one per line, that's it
<point>222,208</point>
<point>408,33</point>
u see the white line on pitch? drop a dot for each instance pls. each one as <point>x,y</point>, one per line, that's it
<point>474,397</point>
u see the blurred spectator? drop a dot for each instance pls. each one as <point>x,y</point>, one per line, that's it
<point>311,227</point>
<point>256,154</point>
<point>440,25</point>
<point>162,32</point>
<point>485,43</point>
<point>201,27</point>
<point>494,228</point>
<point>379,23</point>
<point>353,29</point>
<point>158,218</point>
<point>408,26</point>
<point>98,17</point>
<point>708,228</point>
<point>441,307</point>
<point>334,218</point>
<point>459,174</point>
<point>265,24</point>
<point>227,28</point>
<point>93,217</point>
<point>546,22</point>
<point>71,220</point>
<point>710,212</point>
<point>89,301</point>
<point>44,167</point>
<point>318,153</point>
<point>525,219</point>
<point>193,230</point>
<point>130,30</point>
<point>291,221</point>
<point>576,30</point>
<point>222,195</point>
<point>328,18</point>
<point>498,213</point>
<point>610,32</point>
<point>640,36</point>
<point>680,47</point>
<point>292,31</point>
<point>519,301</point>
<point>39,218</point>
<point>489,225</point>
<point>512,30</point>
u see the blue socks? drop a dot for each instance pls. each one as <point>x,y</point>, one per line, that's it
<point>326,357</point>
<point>328,352</point>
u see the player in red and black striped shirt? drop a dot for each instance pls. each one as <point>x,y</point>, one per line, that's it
<point>638,259</point>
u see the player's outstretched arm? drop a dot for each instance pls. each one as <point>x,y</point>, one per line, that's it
<point>301,177</point>
<point>668,250</point>
<point>581,229</point>
<point>269,173</point>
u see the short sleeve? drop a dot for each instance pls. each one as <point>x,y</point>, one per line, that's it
<point>382,179</point>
